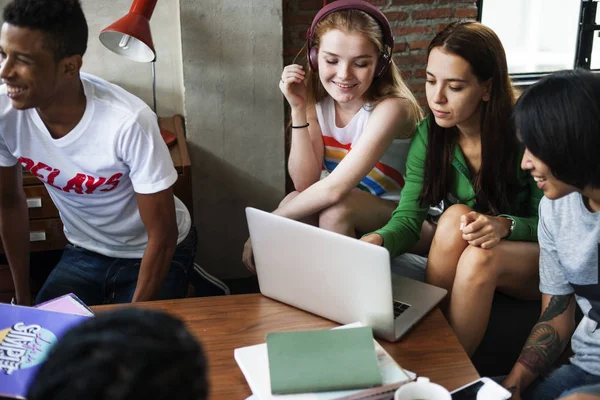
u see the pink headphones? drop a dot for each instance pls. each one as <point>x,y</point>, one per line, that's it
<point>385,59</point>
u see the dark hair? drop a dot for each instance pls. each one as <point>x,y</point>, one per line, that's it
<point>557,120</point>
<point>125,354</point>
<point>62,21</point>
<point>495,182</point>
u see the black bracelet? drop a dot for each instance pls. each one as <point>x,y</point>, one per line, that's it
<point>301,126</point>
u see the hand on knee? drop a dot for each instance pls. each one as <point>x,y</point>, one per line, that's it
<point>448,234</point>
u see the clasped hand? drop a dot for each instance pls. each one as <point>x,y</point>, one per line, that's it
<point>483,230</point>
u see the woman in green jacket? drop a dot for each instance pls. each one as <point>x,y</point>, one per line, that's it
<point>466,155</point>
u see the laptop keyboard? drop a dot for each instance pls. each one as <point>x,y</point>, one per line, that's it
<point>399,308</point>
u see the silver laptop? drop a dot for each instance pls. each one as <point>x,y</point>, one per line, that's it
<point>335,276</point>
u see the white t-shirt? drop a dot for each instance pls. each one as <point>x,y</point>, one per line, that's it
<point>94,172</point>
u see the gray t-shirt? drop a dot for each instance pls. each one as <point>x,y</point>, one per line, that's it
<point>569,237</point>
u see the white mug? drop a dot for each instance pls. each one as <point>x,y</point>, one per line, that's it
<point>422,389</point>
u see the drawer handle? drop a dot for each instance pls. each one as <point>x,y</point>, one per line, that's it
<point>35,202</point>
<point>37,236</point>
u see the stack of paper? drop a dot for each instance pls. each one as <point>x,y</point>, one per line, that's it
<point>254,363</point>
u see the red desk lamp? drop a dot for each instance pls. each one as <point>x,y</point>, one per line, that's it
<point>130,36</point>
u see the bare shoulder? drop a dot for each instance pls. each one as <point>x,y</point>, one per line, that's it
<point>398,112</point>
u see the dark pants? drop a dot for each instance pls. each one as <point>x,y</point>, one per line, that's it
<point>563,381</point>
<point>98,279</point>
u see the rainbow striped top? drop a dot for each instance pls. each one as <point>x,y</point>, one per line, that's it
<point>386,179</point>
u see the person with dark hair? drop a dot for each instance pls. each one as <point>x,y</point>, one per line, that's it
<point>465,156</point>
<point>557,120</point>
<point>124,355</point>
<point>98,150</point>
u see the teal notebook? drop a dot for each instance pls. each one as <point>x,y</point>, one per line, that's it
<point>319,361</point>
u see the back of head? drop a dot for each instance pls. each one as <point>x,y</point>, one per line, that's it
<point>122,355</point>
<point>62,22</point>
<point>557,120</point>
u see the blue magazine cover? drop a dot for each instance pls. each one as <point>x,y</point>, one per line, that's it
<point>26,335</point>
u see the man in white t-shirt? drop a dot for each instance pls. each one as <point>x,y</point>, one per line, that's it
<point>98,150</point>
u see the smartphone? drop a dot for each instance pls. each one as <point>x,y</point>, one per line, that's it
<point>481,389</point>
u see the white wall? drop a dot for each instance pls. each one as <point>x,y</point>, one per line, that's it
<point>134,76</point>
<point>232,52</point>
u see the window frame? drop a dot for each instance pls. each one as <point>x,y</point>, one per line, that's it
<point>586,30</point>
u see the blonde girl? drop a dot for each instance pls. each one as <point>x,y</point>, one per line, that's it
<point>352,118</point>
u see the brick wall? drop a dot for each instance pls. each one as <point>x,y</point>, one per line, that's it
<point>414,23</point>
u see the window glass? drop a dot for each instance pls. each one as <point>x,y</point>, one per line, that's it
<point>538,35</point>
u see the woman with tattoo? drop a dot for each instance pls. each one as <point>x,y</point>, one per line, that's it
<point>466,154</point>
<point>557,120</point>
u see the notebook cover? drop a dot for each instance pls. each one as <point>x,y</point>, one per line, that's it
<point>253,361</point>
<point>323,360</point>
<point>26,335</point>
<point>68,303</point>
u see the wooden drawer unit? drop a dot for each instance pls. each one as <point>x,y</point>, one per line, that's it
<point>39,203</point>
<point>45,227</point>
<point>46,234</point>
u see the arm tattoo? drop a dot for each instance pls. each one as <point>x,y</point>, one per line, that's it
<point>544,345</point>
<point>556,306</point>
<point>541,349</point>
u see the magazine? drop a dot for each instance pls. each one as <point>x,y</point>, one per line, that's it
<point>26,335</point>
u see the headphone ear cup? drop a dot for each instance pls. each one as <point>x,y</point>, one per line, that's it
<point>383,63</point>
<point>313,58</point>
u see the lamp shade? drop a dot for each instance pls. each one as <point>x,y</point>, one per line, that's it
<point>130,36</point>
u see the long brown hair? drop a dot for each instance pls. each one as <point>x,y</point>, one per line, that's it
<point>495,182</point>
<point>389,85</point>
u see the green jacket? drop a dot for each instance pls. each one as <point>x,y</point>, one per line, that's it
<point>402,232</point>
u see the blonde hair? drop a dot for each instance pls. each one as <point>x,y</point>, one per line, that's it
<point>389,85</point>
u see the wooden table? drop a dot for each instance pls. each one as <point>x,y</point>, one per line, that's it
<point>227,322</point>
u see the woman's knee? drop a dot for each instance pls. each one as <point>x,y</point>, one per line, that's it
<point>450,219</point>
<point>335,215</point>
<point>448,233</point>
<point>478,266</point>
<point>288,198</point>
